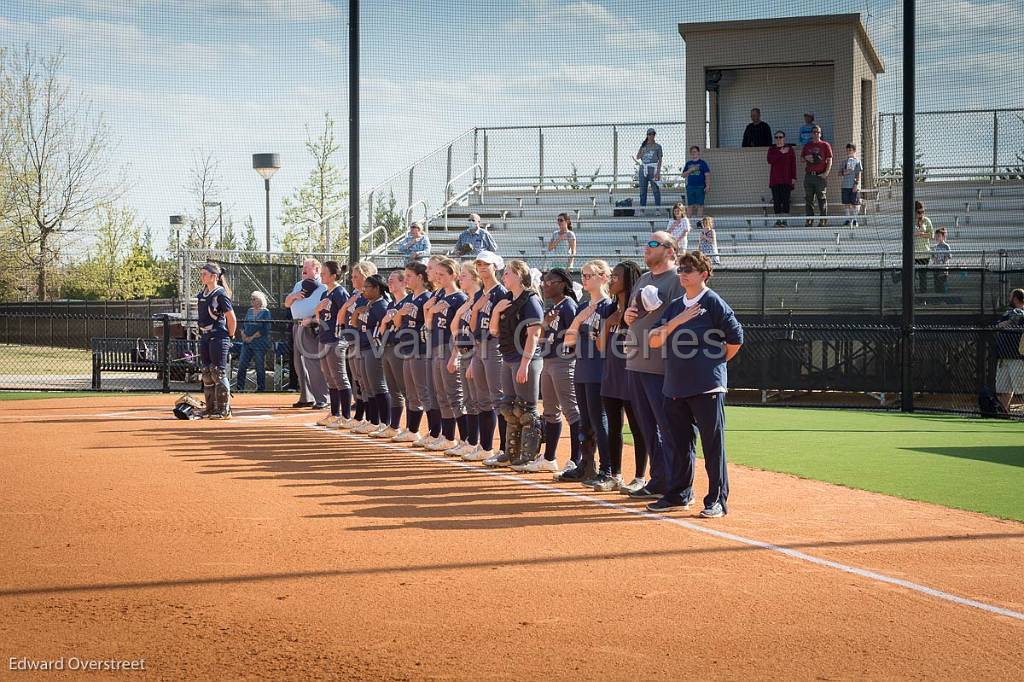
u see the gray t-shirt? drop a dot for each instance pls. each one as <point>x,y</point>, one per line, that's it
<point>853,168</point>
<point>639,356</point>
<point>650,154</point>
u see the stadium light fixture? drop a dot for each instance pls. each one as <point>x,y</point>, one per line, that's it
<point>220,218</point>
<point>266,165</point>
<point>176,222</point>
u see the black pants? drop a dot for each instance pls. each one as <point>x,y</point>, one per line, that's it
<point>780,198</point>
<point>922,274</point>
<point>707,411</point>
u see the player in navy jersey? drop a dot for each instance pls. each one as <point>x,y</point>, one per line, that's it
<point>438,313</point>
<point>368,319</point>
<point>360,271</point>
<point>463,358</point>
<point>217,324</point>
<point>394,375</point>
<point>412,347</point>
<point>332,348</point>
<point>487,367</point>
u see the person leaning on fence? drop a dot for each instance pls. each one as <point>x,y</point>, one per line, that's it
<point>416,245</point>
<point>781,175</point>
<point>217,325</point>
<point>702,334</point>
<point>305,363</point>
<point>942,254</point>
<point>255,341</point>
<point>817,155</point>
<point>923,232</point>
<point>1010,351</point>
<point>649,158</point>
<point>563,234</point>
<point>474,239</point>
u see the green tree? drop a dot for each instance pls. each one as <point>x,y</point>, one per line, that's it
<point>321,198</point>
<point>385,215</point>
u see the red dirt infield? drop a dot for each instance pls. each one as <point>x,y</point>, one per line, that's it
<point>263,548</point>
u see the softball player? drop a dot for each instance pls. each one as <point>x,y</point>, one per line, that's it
<point>486,368</point>
<point>557,378</point>
<point>217,323</point>
<point>378,402</point>
<point>412,347</point>
<point>516,320</point>
<point>332,350</point>
<point>464,358</point>
<point>393,363</point>
<point>360,271</point>
<point>438,313</point>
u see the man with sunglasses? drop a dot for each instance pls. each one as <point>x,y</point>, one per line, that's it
<point>701,334</point>
<point>645,370</point>
<point>817,154</point>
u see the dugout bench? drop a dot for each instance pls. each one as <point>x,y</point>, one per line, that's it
<point>179,358</point>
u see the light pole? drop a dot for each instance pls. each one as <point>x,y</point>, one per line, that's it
<point>220,219</point>
<point>176,223</point>
<point>266,165</point>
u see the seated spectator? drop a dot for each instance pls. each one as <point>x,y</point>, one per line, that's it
<point>255,341</point>
<point>474,239</point>
<point>758,133</point>
<point>679,226</point>
<point>850,185</point>
<point>697,174</point>
<point>805,129</point>
<point>416,245</point>
<point>564,234</point>
<point>941,256</point>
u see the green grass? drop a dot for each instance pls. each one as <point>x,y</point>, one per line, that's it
<point>37,395</point>
<point>43,360</point>
<point>972,464</point>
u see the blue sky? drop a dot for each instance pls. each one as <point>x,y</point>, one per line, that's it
<point>233,78</point>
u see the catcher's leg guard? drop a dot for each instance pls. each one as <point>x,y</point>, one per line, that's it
<point>209,391</point>
<point>532,434</point>
<point>512,433</point>
<point>222,391</point>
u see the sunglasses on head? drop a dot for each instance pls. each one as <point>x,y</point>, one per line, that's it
<point>654,243</point>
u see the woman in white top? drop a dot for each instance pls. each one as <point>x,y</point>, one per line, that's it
<point>565,234</point>
<point>679,226</point>
<point>708,244</point>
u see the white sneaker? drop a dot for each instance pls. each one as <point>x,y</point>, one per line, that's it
<point>366,428</point>
<point>498,459</point>
<point>441,444</point>
<point>339,423</point>
<point>423,441</point>
<point>539,465</point>
<point>456,450</point>
<point>471,454</point>
<point>465,450</point>
<point>569,466</point>
<point>406,437</point>
<point>386,432</point>
<point>325,420</point>
<point>633,486</point>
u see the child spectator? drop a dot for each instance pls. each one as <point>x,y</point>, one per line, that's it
<point>941,256</point>
<point>679,226</point>
<point>851,173</point>
<point>697,172</point>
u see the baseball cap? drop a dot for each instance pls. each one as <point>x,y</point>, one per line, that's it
<point>308,287</point>
<point>652,131</point>
<point>649,298</point>
<point>492,258</point>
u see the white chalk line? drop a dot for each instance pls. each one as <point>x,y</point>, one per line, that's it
<point>723,535</point>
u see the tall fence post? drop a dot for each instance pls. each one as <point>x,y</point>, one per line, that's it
<point>408,205</point>
<point>165,354</point>
<point>909,139</point>
<point>995,144</point>
<point>476,158</point>
<point>615,157</point>
<point>540,155</point>
<point>448,176</point>
<point>893,164</point>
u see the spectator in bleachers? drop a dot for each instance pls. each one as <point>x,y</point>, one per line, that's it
<point>923,231</point>
<point>807,127</point>
<point>255,341</point>
<point>941,256</point>
<point>679,225</point>
<point>781,175</point>
<point>563,234</point>
<point>416,245</point>
<point>817,155</point>
<point>649,172</point>
<point>1010,368</point>
<point>851,173</point>
<point>757,133</point>
<point>474,239</point>
<point>708,244</point>
<point>697,172</point>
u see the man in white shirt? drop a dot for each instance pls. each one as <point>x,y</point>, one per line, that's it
<point>305,361</point>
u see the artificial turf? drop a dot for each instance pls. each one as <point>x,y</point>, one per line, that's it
<point>973,464</point>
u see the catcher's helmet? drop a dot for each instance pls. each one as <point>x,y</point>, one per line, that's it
<point>187,407</point>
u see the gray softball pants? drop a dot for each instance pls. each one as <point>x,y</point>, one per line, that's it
<point>558,390</point>
<point>355,371</point>
<point>487,375</point>
<point>447,387</point>
<point>373,371</point>
<point>470,387</point>
<point>394,376</point>
<point>333,363</point>
<point>419,382</point>
<point>512,390</point>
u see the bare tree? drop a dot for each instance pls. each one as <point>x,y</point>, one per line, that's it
<point>308,212</point>
<point>206,187</point>
<point>56,162</point>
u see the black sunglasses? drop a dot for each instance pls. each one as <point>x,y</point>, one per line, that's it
<point>780,137</point>
<point>687,270</point>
